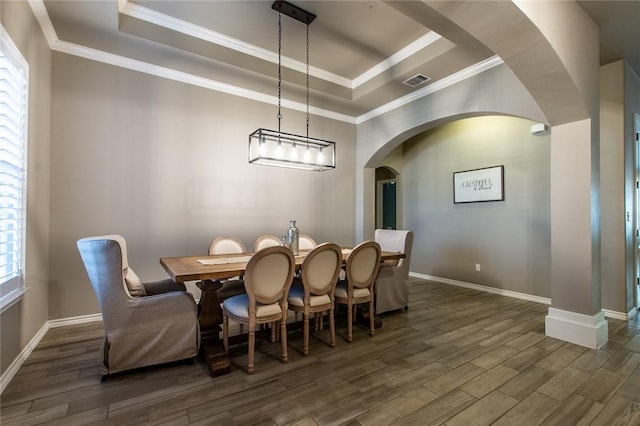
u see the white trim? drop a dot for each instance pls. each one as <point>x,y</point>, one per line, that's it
<point>402,54</point>
<point>83,319</point>
<point>11,371</point>
<point>591,331</point>
<point>620,315</point>
<point>214,37</point>
<point>517,295</point>
<point>450,80</point>
<point>12,298</point>
<point>484,288</point>
<point>41,14</point>
<point>120,61</point>
<point>194,80</point>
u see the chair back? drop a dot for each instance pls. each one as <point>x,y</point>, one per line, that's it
<point>105,260</point>
<point>321,269</point>
<point>362,264</point>
<point>226,245</point>
<point>265,241</point>
<point>305,242</point>
<point>268,275</point>
<point>396,240</point>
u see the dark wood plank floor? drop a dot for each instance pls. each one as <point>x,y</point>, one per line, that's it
<point>457,357</point>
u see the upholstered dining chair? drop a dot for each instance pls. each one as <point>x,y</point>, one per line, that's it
<point>267,280</point>
<point>362,267</point>
<point>392,283</point>
<point>264,241</point>
<point>305,242</point>
<point>144,323</point>
<point>320,271</point>
<point>228,245</point>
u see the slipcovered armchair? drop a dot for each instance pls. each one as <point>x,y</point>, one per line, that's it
<point>392,283</point>
<point>145,324</point>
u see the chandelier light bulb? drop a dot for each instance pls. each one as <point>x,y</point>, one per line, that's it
<point>294,152</point>
<point>307,155</point>
<point>279,150</point>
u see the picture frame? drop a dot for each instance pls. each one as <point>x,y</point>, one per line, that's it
<point>479,185</point>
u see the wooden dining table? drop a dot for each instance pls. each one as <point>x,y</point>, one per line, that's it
<point>209,271</point>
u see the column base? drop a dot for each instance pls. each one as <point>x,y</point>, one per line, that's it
<point>591,331</point>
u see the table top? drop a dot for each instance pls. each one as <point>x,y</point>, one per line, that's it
<point>222,266</point>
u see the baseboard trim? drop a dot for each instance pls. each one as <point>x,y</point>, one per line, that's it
<point>11,371</point>
<point>591,331</point>
<point>83,319</point>
<point>484,288</point>
<point>508,293</point>
<point>620,315</point>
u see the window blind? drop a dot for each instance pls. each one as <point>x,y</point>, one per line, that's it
<point>13,143</point>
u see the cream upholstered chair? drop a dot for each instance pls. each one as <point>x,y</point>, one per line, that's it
<point>362,267</point>
<point>392,283</point>
<point>144,323</point>
<point>265,241</point>
<point>228,245</point>
<point>267,280</point>
<point>306,242</point>
<point>320,271</point>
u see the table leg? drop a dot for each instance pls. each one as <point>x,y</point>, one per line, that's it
<point>210,318</point>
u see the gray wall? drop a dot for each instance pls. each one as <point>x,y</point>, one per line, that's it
<point>23,320</point>
<point>165,165</point>
<point>510,239</point>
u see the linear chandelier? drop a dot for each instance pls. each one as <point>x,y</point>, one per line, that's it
<point>276,148</point>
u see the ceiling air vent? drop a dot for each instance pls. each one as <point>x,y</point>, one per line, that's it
<point>416,80</point>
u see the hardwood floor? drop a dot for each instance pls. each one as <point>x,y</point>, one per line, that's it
<point>457,357</point>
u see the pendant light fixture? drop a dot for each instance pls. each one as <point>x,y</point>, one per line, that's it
<point>276,148</point>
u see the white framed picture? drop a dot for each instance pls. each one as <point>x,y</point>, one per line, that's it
<point>479,185</point>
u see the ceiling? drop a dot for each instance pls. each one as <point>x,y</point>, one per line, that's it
<point>360,51</point>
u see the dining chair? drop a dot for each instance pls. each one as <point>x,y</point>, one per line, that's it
<point>144,323</point>
<point>267,280</point>
<point>315,293</point>
<point>228,245</point>
<point>362,267</point>
<point>392,282</point>
<point>265,241</point>
<point>306,242</point>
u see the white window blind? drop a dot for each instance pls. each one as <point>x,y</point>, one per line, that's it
<point>13,149</point>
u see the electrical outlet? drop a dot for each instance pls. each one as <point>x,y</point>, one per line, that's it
<point>477,267</point>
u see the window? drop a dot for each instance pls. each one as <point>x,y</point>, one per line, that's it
<point>14,74</point>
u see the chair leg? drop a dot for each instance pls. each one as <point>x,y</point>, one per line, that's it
<point>332,329</point>
<point>349,322</point>
<point>252,346</point>
<point>372,320</point>
<point>283,338</point>
<point>305,349</point>
<point>274,326</point>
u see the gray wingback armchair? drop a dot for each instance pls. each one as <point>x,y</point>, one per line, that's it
<point>392,283</point>
<point>145,323</point>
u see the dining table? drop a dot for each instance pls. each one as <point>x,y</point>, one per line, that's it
<point>210,271</point>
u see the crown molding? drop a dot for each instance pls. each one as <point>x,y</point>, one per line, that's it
<point>183,77</point>
<point>450,80</point>
<point>175,24</point>
<point>41,14</point>
<point>74,49</point>
<point>396,58</point>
